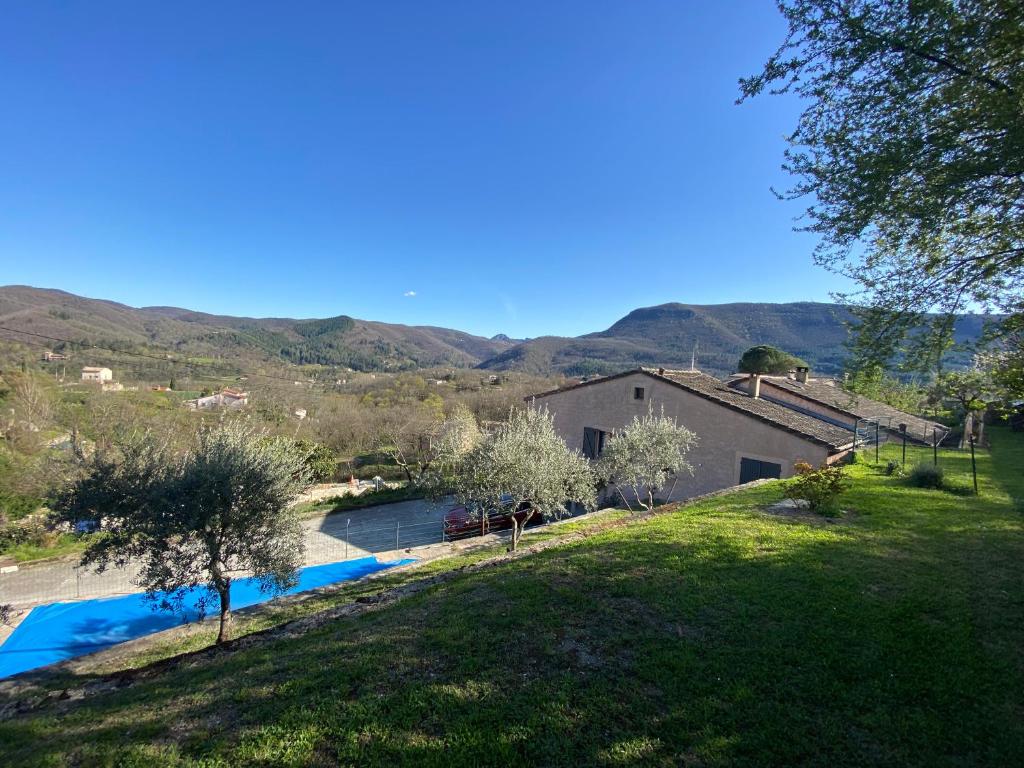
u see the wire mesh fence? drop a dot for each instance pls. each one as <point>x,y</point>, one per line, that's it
<point>66,580</point>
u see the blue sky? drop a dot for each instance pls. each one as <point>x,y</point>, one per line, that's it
<point>527,168</point>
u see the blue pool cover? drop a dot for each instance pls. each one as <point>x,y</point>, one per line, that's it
<point>59,631</point>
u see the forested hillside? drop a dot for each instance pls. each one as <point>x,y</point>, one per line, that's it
<point>334,341</point>
<point>714,336</point>
<point>669,334</point>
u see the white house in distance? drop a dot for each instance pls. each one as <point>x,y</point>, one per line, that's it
<point>740,437</point>
<point>99,375</point>
<point>226,398</point>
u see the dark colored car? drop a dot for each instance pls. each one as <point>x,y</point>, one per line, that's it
<point>462,521</point>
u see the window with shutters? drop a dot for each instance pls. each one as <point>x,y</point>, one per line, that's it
<point>593,442</point>
<point>755,469</point>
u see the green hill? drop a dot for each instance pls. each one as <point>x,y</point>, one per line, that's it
<point>669,334</point>
<point>335,341</point>
<point>661,335</point>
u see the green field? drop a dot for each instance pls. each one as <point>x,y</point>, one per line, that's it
<point>718,634</point>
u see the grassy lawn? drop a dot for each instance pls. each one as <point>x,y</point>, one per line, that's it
<point>715,635</point>
<point>369,498</point>
<point>66,544</point>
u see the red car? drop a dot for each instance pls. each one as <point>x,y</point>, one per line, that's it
<point>461,522</point>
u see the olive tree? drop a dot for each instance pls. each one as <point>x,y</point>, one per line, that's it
<point>524,462</point>
<point>426,445</point>
<point>644,455</point>
<point>194,518</point>
<point>971,389</point>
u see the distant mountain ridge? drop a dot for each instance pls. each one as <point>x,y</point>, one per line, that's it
<point>341,340</point>
<point>713,336</point>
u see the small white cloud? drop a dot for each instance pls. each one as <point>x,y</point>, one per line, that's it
<point>409,294</point>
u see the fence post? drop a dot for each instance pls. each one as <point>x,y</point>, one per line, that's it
<point>935,447</point>
<point>876,442</point>
<point>397,524</point>
<point>347,523</point>
<point>974,466</point>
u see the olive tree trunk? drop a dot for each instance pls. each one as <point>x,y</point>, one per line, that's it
<point>224,591</point>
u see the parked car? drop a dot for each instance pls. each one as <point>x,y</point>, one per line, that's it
<point>463,521</point>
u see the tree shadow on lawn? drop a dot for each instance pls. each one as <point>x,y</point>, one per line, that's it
<point>623,650</point>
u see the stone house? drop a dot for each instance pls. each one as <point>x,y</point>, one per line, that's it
<point>741,438</point>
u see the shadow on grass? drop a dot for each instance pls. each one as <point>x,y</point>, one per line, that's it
<point>702,637</point>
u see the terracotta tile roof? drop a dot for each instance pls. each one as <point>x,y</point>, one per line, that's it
<point>792,421</point>
<point>710,388</point>
<point>828,392</point>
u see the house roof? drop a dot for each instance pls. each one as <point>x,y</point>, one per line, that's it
<point>828,392</point>
<point>708,387</point>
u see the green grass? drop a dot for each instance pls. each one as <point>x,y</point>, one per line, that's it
<point>64,545</point>
<point>385,495</point>
<point>715,635</point>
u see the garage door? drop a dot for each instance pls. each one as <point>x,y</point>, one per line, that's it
<point>755,469</point>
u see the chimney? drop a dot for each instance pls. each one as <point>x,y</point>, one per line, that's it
<point>754,385</point>
<point>801,373</point>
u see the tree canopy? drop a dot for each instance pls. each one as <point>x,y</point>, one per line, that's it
<point>910,149</point>
<point>765,359</point>
<point>645,454</point>
<point>193,518</point>
<point>524,462</point>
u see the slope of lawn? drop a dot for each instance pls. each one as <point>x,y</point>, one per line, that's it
<point>715,635</point>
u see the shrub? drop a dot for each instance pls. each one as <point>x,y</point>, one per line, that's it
<point>926,476</point>
<point>894,468</point>
<point>32,531</point>
<point>388,472</point>
<point>820,487</point>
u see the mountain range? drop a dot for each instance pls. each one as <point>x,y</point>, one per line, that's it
<point>673,335</point>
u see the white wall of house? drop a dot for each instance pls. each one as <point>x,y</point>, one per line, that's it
<point>725,436</point>
<point>97,374</point>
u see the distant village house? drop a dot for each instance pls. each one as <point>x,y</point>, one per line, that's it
<point>226,398</point>
<point>98,375</point>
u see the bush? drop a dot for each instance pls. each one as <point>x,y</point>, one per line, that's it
<point>32,531</point>
<point>926,476</point>
<point>389,472</point>
<point>894,468</point>
<point>820,487</point>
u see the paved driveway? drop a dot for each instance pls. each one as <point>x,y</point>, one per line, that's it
<point>372,530</point>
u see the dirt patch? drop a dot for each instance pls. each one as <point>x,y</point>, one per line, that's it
<point>797,510</point>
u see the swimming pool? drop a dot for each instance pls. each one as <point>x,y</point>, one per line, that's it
<point>58,631</point>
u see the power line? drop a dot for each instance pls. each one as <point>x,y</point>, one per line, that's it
<point>157,358</point>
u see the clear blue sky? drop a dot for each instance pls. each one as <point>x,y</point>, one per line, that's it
<point>528,168</point>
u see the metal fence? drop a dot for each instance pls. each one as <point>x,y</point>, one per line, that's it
<point>66,580</point>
